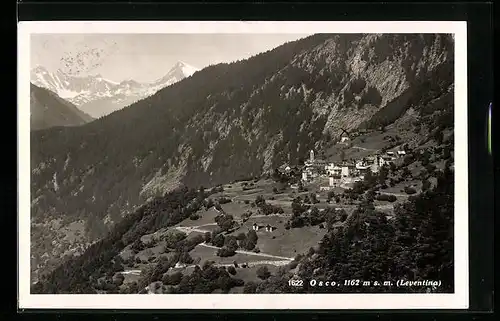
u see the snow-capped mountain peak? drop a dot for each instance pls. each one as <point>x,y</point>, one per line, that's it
<point>187,69</point>
<point>99,96</point>
<point>178,72</point>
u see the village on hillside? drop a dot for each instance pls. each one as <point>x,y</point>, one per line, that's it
<point>341,174</point>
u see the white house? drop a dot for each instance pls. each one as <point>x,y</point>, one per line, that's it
<point>385,160</point>
<point>345,171</point>
<point>362,166</point>
<point>333,170</point>
<point>401,153</point>
<point>270,228</point>
<point>344,139</point>
<point>333,181</point>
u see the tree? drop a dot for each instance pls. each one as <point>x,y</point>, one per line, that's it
<point>231,270</point>
<point>263,273</point>
<point>185,258</point>
<point>316,217</point>
<point>369,179</point>
<point>218,240</point>
<point>225,252</point>
<point>207,237</point>
<point>406,172</point>
<point>118,279</point>
<point>225,222</point>
<point>438,137</point>
<point>231,243</point>
<point>252,236</point>
<point>425,185</point>
<point>342,155</point>
<point>175,278</point>
<point>194,217</point>
<point>382,175</point>
<point>409,190</point>
<point>259,200</point>
<point>314,199</point>
<point>250,287</point>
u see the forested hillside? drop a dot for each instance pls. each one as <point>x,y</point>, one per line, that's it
<point>414,245</point>
<point>232,121</point>
<point>49,110</point>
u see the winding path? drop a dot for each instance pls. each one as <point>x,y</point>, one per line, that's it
<point>363,148</point>
<point>251,253</point>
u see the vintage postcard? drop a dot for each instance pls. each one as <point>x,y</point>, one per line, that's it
<point>243,165</point>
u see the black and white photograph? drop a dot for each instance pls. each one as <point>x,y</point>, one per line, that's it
<point>243,165</point>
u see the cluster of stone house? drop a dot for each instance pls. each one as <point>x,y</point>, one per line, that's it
<point>268,227</point>
<point>346,170</point>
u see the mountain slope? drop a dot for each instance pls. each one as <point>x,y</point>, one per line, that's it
<point>238,120</point>
<point>98,96</point>
<point>49,110</point>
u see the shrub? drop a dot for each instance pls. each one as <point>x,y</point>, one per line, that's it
<point>224,200</point>
<point>231,270</point>
<point>225,252</point>
<point>250,287</point>
<point>175,278</point>
<point>409,190</point>
<point>386,197</point>
<point>426,185</point>
<point>194,217</point>
<point>263,273</point>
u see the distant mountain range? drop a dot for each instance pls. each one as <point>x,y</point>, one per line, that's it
<point>49,110</point>
<point>98,96</point>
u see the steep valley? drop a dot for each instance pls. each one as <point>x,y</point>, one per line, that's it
<point>235,121</point>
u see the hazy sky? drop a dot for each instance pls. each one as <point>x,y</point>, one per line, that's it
<point>144,57</point>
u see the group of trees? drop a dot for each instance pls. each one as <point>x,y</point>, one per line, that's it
<point>306,215</point>
<point>225,222</point>
<point>266,208</point>
<point>229,244</point>
<point>204,279</point>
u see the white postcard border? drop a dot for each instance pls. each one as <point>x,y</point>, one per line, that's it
<point>457,300</point>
